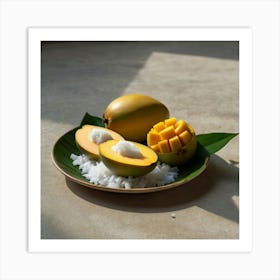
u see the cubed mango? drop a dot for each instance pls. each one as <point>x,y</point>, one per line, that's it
<point>167,133</point>
<point>169,122</point>
<point>164,146</point>
<point>185,137</point>
<point>175,144</point>
<point>153,138</point>
<point>159,126</point>
<point>181,126</point>
<point>155,148</point>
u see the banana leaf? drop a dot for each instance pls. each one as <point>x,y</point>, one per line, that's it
<point>207,144</point>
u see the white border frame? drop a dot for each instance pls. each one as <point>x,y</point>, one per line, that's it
<point>243,35</point>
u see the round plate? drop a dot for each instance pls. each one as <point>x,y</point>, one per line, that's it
<point>66,145</point>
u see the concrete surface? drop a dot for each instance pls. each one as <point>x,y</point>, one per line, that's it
<point>198,81</point>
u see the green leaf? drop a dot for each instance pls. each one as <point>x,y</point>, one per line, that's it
<point>207,144</point>
<point>89,119</point>
<point>62,150</point>
<point>66,145</point>
<point>214,142</point>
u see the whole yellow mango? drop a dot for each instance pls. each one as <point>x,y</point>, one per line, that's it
<point>133,115</point>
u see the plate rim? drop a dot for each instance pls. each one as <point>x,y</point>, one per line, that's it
<point>135,190</point>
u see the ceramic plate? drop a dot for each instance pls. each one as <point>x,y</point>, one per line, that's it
<point>66,145</point>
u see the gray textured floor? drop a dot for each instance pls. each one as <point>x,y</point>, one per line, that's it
<point>198,81</point>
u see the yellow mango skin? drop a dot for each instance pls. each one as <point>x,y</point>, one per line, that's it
<point>117,164</point>
<point>133,115</point>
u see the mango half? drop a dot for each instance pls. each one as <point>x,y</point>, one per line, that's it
<point>86,145</point>
<point>127,165</point>
<point>133,115</point>
<point>174,141</point>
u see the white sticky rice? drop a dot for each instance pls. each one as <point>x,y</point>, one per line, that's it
<point>127,149</point>
<point>99,136</point>
<point>97,173</point>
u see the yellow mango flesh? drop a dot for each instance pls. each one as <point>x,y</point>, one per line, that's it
<point>180,157</point>
<point>167,133</point>
<point>154,138</point>
<point>124,165</point>
<point>88,147</point>
<point>177,142</point>
<point>155,148</point>
<point>169,122</point>
<point>164,146</point>
<point>181,127</point>
<point>159,126</point>
<point>185,137</point>
<point>133,115</point>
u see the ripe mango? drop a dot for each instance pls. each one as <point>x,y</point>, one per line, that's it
<point>174,141</point>
<point>133,115</point>
<point>85,143</point>
<point>124,165</point>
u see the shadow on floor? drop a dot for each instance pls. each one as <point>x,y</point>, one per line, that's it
<point>216,49</point>
<point>79,77</point>
<point>212,191</point>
